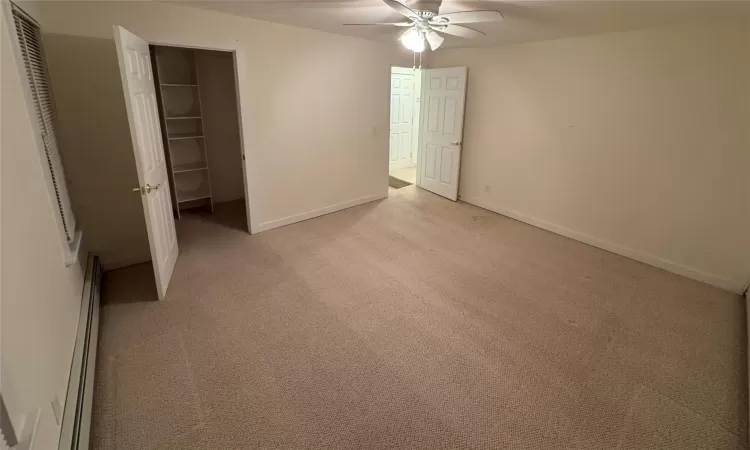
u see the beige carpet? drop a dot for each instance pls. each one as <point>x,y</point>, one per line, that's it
<point>414,322</point>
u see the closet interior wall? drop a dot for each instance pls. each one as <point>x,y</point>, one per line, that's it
<point>221,124</point>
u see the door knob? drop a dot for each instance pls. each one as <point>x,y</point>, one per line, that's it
<point>456,143</point>
<point>146,189</point>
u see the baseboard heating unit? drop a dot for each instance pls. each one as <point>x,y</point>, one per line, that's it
<point>75,428</point>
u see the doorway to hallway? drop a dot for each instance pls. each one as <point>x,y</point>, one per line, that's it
<point>404,126</point>
<point>426,125</point>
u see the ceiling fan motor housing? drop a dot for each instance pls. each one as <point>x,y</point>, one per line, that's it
<point>425,8</point>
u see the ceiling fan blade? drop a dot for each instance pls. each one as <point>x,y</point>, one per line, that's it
<point>394,24</point>
<point>458,30</point>
<point>401,8</point>
<point>468,17</point>
<point>435,40</point>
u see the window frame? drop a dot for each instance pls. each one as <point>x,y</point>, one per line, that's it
<point>70,249</point>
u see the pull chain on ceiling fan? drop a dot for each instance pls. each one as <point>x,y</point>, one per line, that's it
<point>426,23</point>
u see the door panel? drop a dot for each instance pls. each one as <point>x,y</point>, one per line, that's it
<point>143,117</point>
<point>393,157</point>
<point>433,112</point>
<point>430,162</point>
<point>449,117</point>
<point>402,113</point>
<point>404,148</point>
<point>446,165</point>
<point>442,130</point>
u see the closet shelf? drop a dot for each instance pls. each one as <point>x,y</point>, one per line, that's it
<point>185,136</point>
<point>183,117</point>
<point>189,168</point>
<point>182,127</point>
<point>190,199</point>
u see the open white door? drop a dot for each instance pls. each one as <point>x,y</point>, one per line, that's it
<point>402,116</point>
<point>143,116</point>
<point>443,97</point>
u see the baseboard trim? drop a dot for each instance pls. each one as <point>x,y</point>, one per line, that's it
<point>736,286</point>
<point>271,224</point>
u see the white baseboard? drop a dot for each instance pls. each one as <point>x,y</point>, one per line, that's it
<point>129,260</point>
<point>737,286</point>
<point>271,224</point>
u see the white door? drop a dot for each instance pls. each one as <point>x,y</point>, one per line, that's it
<point>402,113</point>
<point>443,97</point>
<point>143,115</point>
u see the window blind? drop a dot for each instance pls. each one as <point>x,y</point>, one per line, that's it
<point>30,41</point>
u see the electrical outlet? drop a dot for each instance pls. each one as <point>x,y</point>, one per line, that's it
<point>487,188</point>
<point>374,131</point>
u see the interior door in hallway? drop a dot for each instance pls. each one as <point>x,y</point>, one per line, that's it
<point>443,98</point>
<point>145,133</point>
<point>402,117</point>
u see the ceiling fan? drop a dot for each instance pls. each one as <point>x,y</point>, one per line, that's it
<point>426,23</point>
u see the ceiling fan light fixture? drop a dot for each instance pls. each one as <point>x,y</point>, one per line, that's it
<point>413,40</point>
<point>427,25</point>
<point>434,39</point>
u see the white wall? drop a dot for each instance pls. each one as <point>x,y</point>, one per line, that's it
<point>39,297</point>
<point>221,124</point>
<point>314,112</point>
<point>637,142</point>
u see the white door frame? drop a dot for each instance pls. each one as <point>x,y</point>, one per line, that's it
<point>417,116</point>
<point>419,134</point>
<point>240,73</point>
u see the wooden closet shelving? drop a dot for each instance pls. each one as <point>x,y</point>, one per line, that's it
<point>182,125</point>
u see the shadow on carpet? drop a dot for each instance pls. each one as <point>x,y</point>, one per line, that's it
<point>395,183</point>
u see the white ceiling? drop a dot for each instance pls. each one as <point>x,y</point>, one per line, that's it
<point>524,20</point>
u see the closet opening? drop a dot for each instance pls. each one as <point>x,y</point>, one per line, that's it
<point>197,99</point>
<point>406,86</point>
